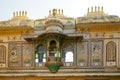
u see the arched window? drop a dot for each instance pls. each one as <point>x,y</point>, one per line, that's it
<point>111,51</point>
<point>69,56</point>
<point>2,53</point>
<point>40,55</point>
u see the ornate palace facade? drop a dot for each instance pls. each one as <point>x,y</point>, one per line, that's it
<point>58,47</point>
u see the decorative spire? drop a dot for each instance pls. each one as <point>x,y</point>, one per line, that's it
<point>102,9</point>
<point>95,9</point>
<point>62,11</point>
<point>98,9</point>
<point>59,11</point>
<point>13,14</point>
<point>22,13</point>
<point>19,13</point>
<point>88,9</point>
<point>49,12</point>
<point>91,9</point>
<point>16,13</point>
<point>25,13</point>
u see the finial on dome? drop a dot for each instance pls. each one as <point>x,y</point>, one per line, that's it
<point>54,12</point>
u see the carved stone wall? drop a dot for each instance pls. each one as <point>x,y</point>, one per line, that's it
<point>20,55</point>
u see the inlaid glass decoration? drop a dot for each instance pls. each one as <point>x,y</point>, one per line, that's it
<point>96,53</point>
<point>82,53</point>
<point>14,55</point>
<point>111,51</point>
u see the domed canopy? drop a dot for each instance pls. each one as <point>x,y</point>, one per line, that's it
<point>54,24</point>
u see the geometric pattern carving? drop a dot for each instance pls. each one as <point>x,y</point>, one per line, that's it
<point>2,54</point>
<point>82,54</point>
<point>96,53</point>
<point>111,51</point>
<point>14,55</point>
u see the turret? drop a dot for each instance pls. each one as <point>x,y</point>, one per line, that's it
<point>20,15</point>
<point>96,11</point>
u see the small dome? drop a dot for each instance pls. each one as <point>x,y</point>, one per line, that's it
<point>53,24</point>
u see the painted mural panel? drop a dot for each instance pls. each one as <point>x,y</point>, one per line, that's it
<point>2,54</point>
<point>27,51</point>
<point>82,53</point>
<point>14,55</point>
<point>111,51</point>
<point>96,53</point>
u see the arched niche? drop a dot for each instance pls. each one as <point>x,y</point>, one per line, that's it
<point>2,53</point>
<point>111,51</point>
<point>53,48</point>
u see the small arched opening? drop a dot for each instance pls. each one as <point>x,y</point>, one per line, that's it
<point>40,54</point>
